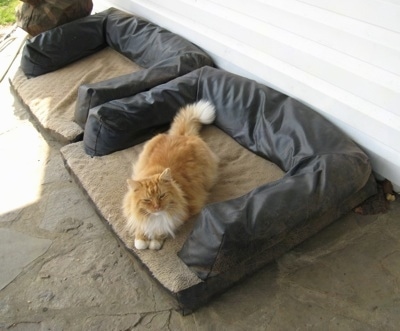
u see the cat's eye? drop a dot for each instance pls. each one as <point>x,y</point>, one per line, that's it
<point>146,200</point>
<point>162,196</point>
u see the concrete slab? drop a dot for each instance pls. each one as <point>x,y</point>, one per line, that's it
<point>17,251</point>
<point>12,39</point>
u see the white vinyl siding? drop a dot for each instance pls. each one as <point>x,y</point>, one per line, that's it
<point>340,57</point>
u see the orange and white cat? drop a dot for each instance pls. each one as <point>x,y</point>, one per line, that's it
<point>171,179</point>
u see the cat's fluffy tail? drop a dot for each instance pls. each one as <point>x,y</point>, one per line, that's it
<point>189,119</point>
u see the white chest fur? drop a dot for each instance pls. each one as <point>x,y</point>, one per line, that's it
<point>160,224</point>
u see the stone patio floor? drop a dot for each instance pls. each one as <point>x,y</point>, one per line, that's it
<point>62,269</point>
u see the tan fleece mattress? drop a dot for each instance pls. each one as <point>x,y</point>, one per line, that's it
<point>52,97</point>
<point>104,180</point>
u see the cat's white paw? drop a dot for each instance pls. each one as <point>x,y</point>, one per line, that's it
<point>141,244</point>
<point>155,244</point>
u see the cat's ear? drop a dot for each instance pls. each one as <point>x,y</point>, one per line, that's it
<point>166,175</point>
<point>133,184</point>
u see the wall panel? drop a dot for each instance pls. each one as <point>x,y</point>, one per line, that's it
<point>340,57</point>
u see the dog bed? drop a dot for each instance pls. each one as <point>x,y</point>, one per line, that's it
<point>324,175</point>
<point>110,55</point>
<point>104,181</point>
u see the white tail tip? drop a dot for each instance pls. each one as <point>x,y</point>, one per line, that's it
<point>205,111</point>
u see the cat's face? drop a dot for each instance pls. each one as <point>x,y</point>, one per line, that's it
<point>152,195</point>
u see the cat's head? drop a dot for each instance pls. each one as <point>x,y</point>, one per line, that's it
<point>153,194</point>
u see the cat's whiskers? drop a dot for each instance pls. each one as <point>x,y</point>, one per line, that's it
<point>144,212</point>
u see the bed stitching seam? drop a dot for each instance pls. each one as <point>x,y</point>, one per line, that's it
<point>97,137</point>
<point>218,253</point>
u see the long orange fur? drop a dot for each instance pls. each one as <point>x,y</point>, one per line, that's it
<point>171,179</point>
